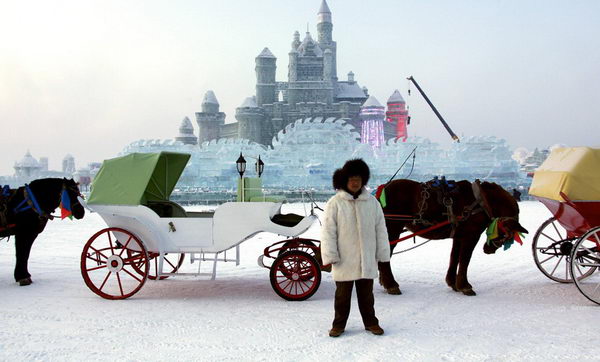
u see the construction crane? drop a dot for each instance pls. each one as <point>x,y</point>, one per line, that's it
<point>452,134</point>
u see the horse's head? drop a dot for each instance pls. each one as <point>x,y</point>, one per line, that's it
<point>503,210</point>
<point>72,189</point>
<point>506,230</point>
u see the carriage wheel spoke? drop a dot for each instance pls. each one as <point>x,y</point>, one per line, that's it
<point>289,282</point>
<point>595,289</point>
<point>98,252</point>
<point>126,244</point>
<point>557,231</point>
<point>557,264</point>
<point>96,268</point>
<point>171,264</point>
<point>578,269</point>
<point>130,274</point>
<point>110,241</point>
<point>548,258</point>
<point>551,238</point>
<point>104,282</point>
<point>133,258</point>
<point>95,260</point>
<point>306,285</point>
<point>120,286</point>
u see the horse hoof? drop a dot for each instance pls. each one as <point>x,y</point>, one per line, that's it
<point>393,291</point>
<point>453,288</point>
<point>24,282</point>
<point>468,292</point>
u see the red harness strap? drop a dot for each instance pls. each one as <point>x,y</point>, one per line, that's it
<point>420,232</point>
<point>9,226</point>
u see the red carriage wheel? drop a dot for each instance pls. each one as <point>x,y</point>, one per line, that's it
<point>114,263</point>
<point>308,246</point>
<point>305,245</point>
<point>295,275</point>
<point>172,263</point>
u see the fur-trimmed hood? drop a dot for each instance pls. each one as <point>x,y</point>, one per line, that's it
<point>354,167</point>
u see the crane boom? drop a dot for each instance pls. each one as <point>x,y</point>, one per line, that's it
<point>452,134</point>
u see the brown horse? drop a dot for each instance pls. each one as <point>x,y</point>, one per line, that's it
<point>470,208</point>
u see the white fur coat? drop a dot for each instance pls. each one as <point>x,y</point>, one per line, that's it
<point>354,237</point>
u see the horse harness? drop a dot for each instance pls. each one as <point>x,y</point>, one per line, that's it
<point>443,190</point>
<point>30,202</point>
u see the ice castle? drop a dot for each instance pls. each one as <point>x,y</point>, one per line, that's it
<point>312,89</point>
<point>305,128</point>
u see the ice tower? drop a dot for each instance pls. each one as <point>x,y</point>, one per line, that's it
<point>210,120</point>
<point>398,114</point>
<point>372,115</point>
<point>186,133</point>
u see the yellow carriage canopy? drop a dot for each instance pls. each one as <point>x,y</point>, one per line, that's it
<point>575,171</point>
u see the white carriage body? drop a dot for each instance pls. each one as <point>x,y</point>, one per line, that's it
<point>231,224</point>
<point>131,193</point>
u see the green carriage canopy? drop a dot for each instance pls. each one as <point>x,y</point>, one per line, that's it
<point>137,178</point>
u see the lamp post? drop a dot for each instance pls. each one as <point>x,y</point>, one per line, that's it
<point>241,165</point>
<point>259,166</point>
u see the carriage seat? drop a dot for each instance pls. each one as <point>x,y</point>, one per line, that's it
<point>167,209</point>
<point>289,220</point>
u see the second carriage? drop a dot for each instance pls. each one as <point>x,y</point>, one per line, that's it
<point>566,247</point>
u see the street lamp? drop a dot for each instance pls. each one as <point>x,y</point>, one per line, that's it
<point>241,165</point>
<point>259,166</point>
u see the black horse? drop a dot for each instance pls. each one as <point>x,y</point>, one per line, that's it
<point>470,208</point>
<point>26,210</point>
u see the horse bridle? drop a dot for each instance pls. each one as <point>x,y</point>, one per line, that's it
<point>507,236</point>
<point>42,214</point>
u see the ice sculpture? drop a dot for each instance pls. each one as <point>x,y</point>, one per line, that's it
<point>306,152</point>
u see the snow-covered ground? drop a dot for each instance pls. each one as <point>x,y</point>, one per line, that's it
<point>518,313</point>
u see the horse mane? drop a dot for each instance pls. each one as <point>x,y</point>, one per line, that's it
<point>47,192</point>
<point>501,201</point>
<point>47,182</point>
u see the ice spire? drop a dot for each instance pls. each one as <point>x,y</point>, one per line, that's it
<point>324,14</point>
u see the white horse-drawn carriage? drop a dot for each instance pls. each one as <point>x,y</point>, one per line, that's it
<point>149,236</point>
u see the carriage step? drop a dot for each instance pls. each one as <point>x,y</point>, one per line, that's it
<point>220,256</point>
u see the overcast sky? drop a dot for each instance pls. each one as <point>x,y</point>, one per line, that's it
<point>89,77</point>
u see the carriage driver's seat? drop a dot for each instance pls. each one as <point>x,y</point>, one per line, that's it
<point>167,208</point>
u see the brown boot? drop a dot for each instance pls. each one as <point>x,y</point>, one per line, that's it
<point>376,330</point>
<point>335,332</point>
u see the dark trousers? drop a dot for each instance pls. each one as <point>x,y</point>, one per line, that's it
<point>366,302</point>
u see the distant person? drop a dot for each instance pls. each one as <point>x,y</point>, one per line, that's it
<point>516,194</point>
<point>354,239</point>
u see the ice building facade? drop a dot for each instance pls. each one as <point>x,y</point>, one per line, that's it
<point>305,154</point>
